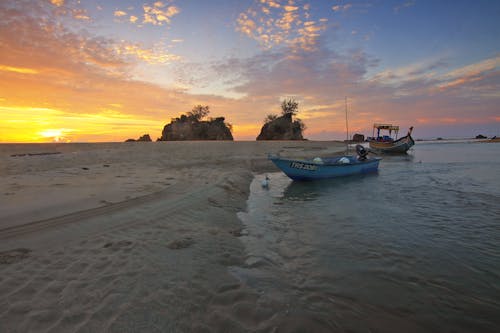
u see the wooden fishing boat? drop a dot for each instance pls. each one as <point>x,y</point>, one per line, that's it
<point>323,168</point>
<point>388,144</point>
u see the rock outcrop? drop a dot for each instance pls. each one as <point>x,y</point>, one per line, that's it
<point>282,128</point>
<point>144,138</point>
<point>358,138</point>
<point>187,128</point>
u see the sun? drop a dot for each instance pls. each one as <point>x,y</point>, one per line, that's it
<point>55,134</point>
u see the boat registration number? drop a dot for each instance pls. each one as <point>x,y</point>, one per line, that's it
<point>303,166</point>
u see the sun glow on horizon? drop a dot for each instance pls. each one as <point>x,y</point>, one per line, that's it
<point>56,135</point>
<point>29,124</point>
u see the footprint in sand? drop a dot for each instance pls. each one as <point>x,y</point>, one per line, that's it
<point>118,245</point>
<point>236,232</point>
<point>12,256</point>
<point>180,243</point>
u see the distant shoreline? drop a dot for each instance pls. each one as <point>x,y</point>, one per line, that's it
<point>458,140</point>
<point>340,141</point>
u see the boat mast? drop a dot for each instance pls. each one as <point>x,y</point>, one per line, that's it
<point>346,127</point>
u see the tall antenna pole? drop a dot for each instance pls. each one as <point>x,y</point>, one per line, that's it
<point>346,126</point>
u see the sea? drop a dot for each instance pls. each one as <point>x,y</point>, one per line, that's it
<point>414,247</point>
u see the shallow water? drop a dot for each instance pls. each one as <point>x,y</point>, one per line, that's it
<point>412,248</point>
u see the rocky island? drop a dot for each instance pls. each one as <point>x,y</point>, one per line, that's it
<point>283,127</point>
<point>190,126</point>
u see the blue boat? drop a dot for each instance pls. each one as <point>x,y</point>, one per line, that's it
<point>323,168</point>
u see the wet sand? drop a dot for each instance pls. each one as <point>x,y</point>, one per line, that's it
<point>118,237</point>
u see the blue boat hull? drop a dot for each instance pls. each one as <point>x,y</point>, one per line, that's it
<point>327,168</point>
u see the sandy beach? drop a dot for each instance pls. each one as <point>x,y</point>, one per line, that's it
<point>132,237</point>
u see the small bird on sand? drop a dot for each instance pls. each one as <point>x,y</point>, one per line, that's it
<point>265,182</point>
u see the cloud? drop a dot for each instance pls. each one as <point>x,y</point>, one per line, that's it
<point>156,15</point>
<point>272,24</point>
<point>404,5</point>
<point>422,70</point>
<point>271,3</point>
<point>21,70</point>
<point>479,68</point>
<point>45,45</point>
<point>435,77</point>
<point>80,14</point>
<point>57,3</point>
<point>290,8</point>
<point>119,13</point>
<point>471,75</point>
<point>341,8</point>
<point>72,9</point>
<point>310,73</point>
<point>158,55</point>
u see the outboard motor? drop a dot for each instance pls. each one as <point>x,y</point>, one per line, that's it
<point>362,152</point>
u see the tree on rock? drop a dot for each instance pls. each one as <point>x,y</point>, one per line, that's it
<point>289,106</point>
<point>283,127</point>
<point>199,112</point>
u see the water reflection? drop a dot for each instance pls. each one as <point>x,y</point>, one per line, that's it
<point>309,191</point>
<point>398,157</point>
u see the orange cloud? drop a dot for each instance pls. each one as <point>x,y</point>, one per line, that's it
<point>119,13</point>
<point>151,56</point>
<point>80,14</point>
<point>423,120</point>
<point>18,69</point>
<point>246,25</point>
<point>290,8</point>
<point>448,120</point>
<point>272,24</point>
<point>270,3</point>
<point>458,82</point>
<point>57,3</point>
<point>156,15</point>
<point>468,74</point>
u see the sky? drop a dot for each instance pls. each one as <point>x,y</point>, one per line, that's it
<point>109,70</point>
